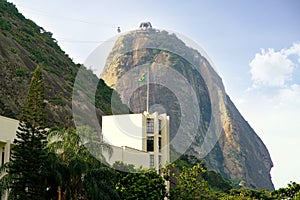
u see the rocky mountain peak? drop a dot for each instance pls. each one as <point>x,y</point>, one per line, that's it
<point>182,83</point>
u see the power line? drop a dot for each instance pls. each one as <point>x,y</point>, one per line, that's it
<point>64,17</point>
<point>40,12</point>
<point>61,39</point>
<point>79,41</point>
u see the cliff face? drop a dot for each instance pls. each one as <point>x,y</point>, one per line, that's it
<point>183,83</point>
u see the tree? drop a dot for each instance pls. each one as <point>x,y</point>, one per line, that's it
<point>187,183</point>
<point>297,196</point>
<point>34,111</point>
<point>247,194</point>
<point>81,168</point>
<point>139,183</point>
<point>55,175</point>
<point>26,171</point>
<point>290,192</point>
<point>99,184</point>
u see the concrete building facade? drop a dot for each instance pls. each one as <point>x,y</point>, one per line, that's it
<point>138,139</point>
<point>8,130</point>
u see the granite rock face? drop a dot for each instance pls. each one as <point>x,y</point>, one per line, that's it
<point>182,83</point>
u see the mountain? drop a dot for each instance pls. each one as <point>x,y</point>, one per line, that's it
<point>238,154</point>
<point>25,45</point>
<point>204,121</point>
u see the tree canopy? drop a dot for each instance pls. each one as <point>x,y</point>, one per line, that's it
<point>27,168</point>
<point>139,183</point>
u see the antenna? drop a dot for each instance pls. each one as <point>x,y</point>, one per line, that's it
<point>148,75</point>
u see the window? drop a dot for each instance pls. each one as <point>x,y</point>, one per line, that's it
<point>159,144</point>
<point>159,127</point>
<point>150,143</point>
<point>151,160</point>
<point>3,154</point>
<point>159,163</point>
<point>159,159</point>
<point>150,125</point>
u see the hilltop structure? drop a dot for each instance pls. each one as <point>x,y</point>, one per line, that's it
<point>145,25</point>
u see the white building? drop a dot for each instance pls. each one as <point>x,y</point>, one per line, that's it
<point>138,139</point>
<point>8,130</point>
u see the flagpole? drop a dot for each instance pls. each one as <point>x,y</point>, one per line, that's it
<point>147,89</point>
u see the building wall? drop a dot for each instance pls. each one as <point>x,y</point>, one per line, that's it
<point>129,136</point>
<point>8,129</point>
<point>129,156</point>
<point>123,130</point>
<point>160,152</point>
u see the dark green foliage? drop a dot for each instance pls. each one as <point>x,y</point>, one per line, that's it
<point>190,180</point>
<point>27,169</point>
<point>123,167</point>
<point>99,184</point>
<point>66,144</point>
<point>187,161</point>
<point>34,112</point>
<point>9,8</point>
<point>81,174</point>
<point>245,193</point>
<point>293,190</point>
<point>25,45</point>
<point>103,96</point>
<point>5,110</point>
<point>57,101</point>
<point>20,72</point>
<point>4,25</point>
<point>214,180</point>
<point>52,70</point>
<point>56,170</point>
<point>139,183</point>
<point>186,183</point>
<point>217,182</point>
<point>95,89</point>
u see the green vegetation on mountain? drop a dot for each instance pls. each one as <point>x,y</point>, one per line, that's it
<point>25,45</point>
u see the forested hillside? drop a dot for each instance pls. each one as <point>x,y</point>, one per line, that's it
<point>24,46</point>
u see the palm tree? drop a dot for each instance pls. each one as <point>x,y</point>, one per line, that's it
<point>100,184</point>
<point>73,148</point>
<point>55,175</point>
<point>5,178</point>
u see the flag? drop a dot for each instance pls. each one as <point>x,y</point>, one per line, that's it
<point>143,78</point>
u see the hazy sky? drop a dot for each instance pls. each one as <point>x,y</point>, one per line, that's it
<point>255,46</point>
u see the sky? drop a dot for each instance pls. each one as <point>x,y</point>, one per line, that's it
<point>254,46</point>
